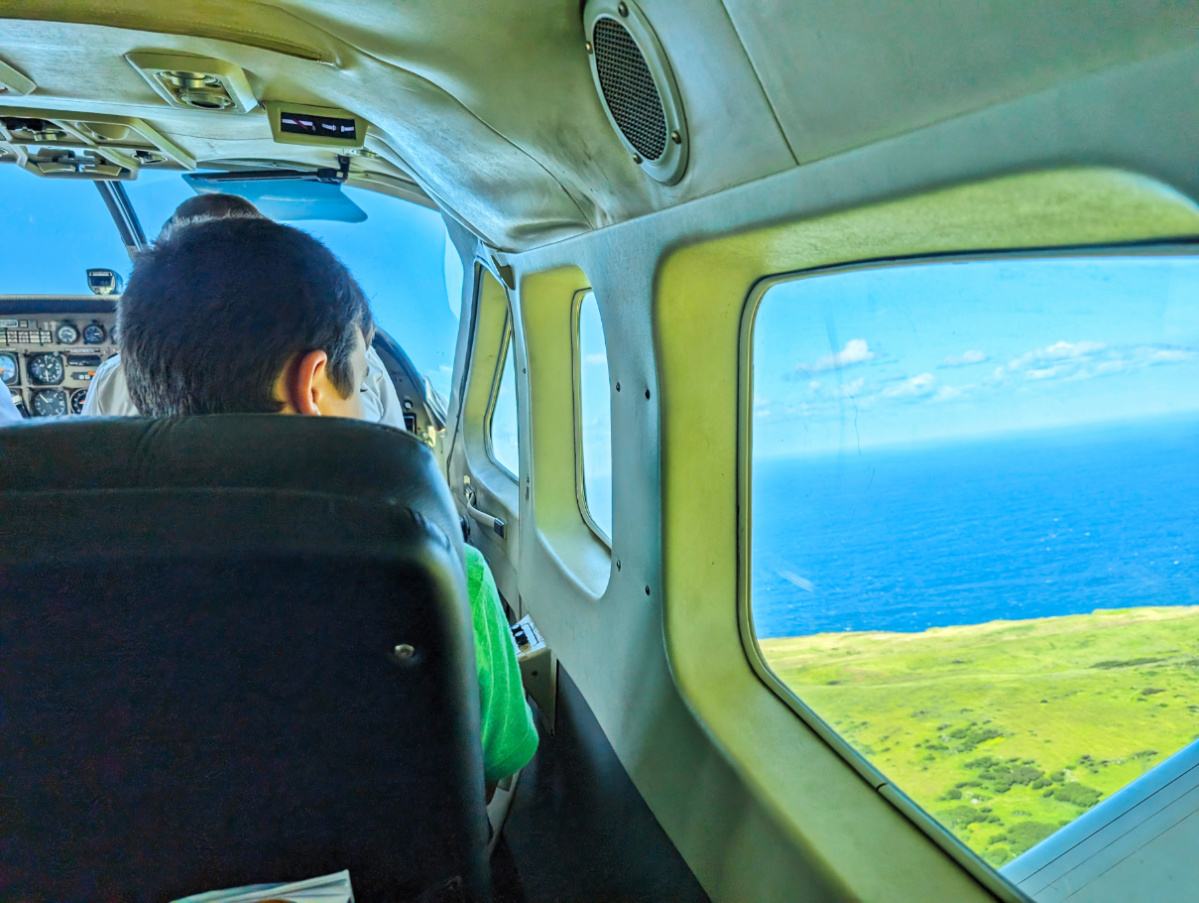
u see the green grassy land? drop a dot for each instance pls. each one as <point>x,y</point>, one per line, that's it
<point>1006,731</point>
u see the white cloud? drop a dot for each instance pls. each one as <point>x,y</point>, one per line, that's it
<point>965,359</point>
<point>913,387</point>
<point>850,388</point>
<point>1058,351</point>
<point>856,351</point>
<point>1086,360</point>
<point>1166,355</point>
<point>1048,372</point>
<point>950,393</point>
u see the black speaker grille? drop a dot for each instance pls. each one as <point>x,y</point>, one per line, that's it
<point>629,88</point>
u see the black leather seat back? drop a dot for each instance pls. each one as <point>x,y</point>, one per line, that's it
<point>233,650</point>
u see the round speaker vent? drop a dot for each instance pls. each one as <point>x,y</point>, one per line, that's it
<point>637,87</point>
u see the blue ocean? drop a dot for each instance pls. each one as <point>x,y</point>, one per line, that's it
<point>909,538</point>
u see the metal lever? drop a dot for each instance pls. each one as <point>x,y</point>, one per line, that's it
<point>482,517</point>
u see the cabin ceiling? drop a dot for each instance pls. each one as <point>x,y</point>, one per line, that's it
<point>489,107</point>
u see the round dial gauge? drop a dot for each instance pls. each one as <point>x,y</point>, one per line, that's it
<point>49,402</point>
<point>45,369</point>
<point>93,334</point>
<point>8,369</point>
<point>67,334</point>
<point>78,397</point>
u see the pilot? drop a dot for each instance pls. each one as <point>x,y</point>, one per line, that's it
<point>108,393</point>
<point>294,327</point>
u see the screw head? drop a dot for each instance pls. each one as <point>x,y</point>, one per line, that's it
<point>647,394</point>
<point>637,159</point>
<point>590,49</point>
<point>618,564</point>
<point>618,387</point>
<point>403,651</point>
<point>676,137</point>
<point>623,9</point>
<point>647,590</point>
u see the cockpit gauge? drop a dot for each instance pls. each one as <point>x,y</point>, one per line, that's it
<point>45,369</point>
<point>93,334</point>
<point>8,369</point>
<point>50,403</point>
<point>67,334</point>
<point>78,397</point>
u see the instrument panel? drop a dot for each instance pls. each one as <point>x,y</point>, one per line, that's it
<point>50,349</point>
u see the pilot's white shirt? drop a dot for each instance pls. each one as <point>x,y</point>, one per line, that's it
<point>108,395</point>
<point>8,408</point>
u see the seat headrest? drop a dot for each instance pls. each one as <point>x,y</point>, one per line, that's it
<point>325,455</point>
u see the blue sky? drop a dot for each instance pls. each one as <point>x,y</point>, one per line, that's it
<point>935,352</point>
<point>596,402</point>
<point>55,230</point>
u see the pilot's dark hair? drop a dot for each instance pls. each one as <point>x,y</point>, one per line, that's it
<point>213,313</point>
<point>207,206</point>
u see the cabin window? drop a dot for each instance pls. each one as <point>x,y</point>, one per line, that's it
<point>502,438</point>
<point>974,534</point>
<point>594,418</point>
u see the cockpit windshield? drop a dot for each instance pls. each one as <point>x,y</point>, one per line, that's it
<point>54,231</point>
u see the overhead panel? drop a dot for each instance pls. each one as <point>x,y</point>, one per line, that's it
<point>842,74</point>
<point>62,144</point>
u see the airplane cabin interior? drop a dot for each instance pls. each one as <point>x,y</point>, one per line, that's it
<point>810,375</point>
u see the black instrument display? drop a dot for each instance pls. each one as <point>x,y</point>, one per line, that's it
<point>45,369</point>
<point>50,402</point>
<point>51,348</point>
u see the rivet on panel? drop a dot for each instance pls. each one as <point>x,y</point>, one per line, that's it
<point>590,49</point>
<point>618,564</point>
<point>647,394</point>
<point>676,137</point>
<point>623,9</point>
<point>647,590</point>
<point>637,159</point>
<point>618,387</point>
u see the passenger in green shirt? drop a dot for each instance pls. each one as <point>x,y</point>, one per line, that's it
<point>509,737</point>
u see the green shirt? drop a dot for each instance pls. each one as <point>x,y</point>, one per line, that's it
<point>509,737</point>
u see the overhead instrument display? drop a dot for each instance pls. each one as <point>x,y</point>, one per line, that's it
<point>293,123</point>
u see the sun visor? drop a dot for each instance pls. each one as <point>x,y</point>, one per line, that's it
<point>287,199</point>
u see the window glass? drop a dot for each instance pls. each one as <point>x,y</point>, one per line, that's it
<point>54,231</point>
<point>595,416</point>
<point>975,550</point>
<point>504,441</point>
<point>398,254</point>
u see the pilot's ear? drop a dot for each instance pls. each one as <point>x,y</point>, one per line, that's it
<point>307,378</point>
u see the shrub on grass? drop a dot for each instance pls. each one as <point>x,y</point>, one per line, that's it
<point>1077,795</point>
